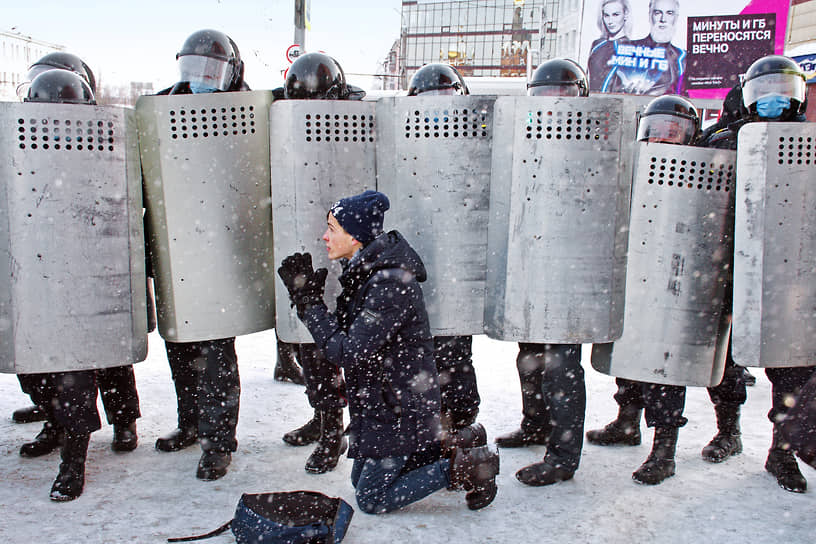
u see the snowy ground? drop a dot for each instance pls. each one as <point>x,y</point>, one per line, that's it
<point>148,496</point>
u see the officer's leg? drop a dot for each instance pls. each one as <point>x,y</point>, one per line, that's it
<point>219,395</point>
<point>625,429</point>
<point>535,422</point>
<point>664,406</point>
<point>727,397</point>
<point>453,356</point>
<point>786,383</point>
<point>42,390</point>
<point>565,394</point>
<point>32,413</point>
<point>117,386</point>
<point>185,367</point>
<point>75,410</point>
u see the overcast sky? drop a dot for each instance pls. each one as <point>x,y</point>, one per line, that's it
<point>131,40</point>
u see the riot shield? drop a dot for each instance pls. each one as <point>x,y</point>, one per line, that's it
<point>679,264</point>
<point>205,159</point>
<point>320,151</point>
<point>71,239</point>
<point>559,203</point>
<point>775,246</point>
<point>433,161</point>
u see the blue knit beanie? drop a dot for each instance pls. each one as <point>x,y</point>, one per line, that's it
<point>362,215</point>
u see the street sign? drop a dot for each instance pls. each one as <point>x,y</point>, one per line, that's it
<point>293,52</point>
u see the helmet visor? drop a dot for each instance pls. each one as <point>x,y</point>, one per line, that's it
<point>204,71</point>
<point>790,85</point>
<point>666,128</point>
<point>436,92</point>
<point>554,90</point>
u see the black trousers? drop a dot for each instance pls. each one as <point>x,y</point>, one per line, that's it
<point>662,404</point>
<point>208,390</point>
<point>554,397</point>
<point>69,398</point>
<point>785,386</point>
<point>453,356</point>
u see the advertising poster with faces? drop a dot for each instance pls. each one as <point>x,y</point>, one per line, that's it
<point>694,48</point>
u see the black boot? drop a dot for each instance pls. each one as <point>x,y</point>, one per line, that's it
<point>624,430</point>
<point>49,438</point>
<point>286,367</point>
<point>332,443</point>
<point>178,439</point>
<point>782,464</point>
<point>124,437</point>
<point>544,473</point>
<point>468,437</point>
<point>71,478</point>
<point>660,463</point>
<point>523,437</point>
<point>29,414</point>
<point>727,441</point>
<point>306,434</point>
<point>213,464</point>
<point>475,470</point>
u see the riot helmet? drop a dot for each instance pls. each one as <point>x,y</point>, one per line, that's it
<point>774,88</point>
<point>316,76</point>
<point>437,78</point>
<point>558,77</point>
<point>209,61</point>
<point>60,87</point>
<point>58,60</point>
<point>669,119</point>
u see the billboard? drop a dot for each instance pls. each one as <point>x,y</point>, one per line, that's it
<point>689,47</point>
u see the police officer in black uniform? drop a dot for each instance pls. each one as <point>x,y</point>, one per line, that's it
<point>773,90</point>
<point>205,373</point>
<point>117,385</point>
<point>674,120</point>
<point>69,398</point>
<point>553,390</point>
<point>318,76</point>
<point>453,355</point>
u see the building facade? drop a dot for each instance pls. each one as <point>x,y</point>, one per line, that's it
<point>17,52</point>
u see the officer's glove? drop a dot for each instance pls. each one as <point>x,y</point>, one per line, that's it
<point>304,283</point>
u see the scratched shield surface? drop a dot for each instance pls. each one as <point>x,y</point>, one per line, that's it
<point>559,207</point>
<point>675,329</point>
<point>72,295</point>
<point>775,246</point>
<point>207,192</point>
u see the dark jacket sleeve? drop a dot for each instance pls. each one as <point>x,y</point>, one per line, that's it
<point>385,309</point>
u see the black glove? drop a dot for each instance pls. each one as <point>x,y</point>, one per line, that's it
<point>305,285</point>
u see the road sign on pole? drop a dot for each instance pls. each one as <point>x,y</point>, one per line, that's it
<point>293,52</point>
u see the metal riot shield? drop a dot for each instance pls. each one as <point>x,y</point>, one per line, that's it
<point>433,159</point>
<point>206,175</point>
<point>320,151</point>
<point>679,264</point>
<point>559,204</point>
<point>775,246</point>
<point>71,239</point>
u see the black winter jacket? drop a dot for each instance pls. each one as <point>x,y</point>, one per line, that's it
<point>380,336</point>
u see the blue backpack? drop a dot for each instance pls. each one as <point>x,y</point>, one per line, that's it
<point>291,517</point>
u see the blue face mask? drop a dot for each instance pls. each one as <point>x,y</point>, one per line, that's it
<point>772,106</point>
<point>197,88</point>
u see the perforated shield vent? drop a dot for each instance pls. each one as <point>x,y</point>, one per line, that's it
<point>684,174</point>
<point>212,122</point>
<point>327,127</point>
<point>796,150</point>
<point>51,134</point>
<point>455,123</point>
<point>568,125</point>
